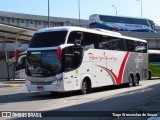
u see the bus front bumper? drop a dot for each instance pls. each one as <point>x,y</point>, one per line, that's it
<point>57,87</point>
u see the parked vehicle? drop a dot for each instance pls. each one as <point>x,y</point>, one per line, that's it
<point>121,23</point>
<point>154,63</point>
<point>73,58</point>
<point>20,57</point>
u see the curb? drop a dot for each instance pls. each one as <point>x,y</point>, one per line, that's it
<point>9,85</point>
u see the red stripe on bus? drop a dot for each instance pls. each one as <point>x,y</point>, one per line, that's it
<point>121,71</point>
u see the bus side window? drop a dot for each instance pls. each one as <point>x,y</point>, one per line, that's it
<point>103,43</point>
<point>130,45</point>
<point>135,46</point>
<point>141,47</point>
<point>116,44</point>
<point>76,38</point>
<point>90,41</point>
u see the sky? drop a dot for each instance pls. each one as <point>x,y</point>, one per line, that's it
<point>69,8</point>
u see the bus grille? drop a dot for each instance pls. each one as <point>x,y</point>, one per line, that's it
<point>41,83</point>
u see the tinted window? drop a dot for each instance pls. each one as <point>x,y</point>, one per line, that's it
<point>43,63</point>
<point>95,41</point>
<point>88,40</point>
<point>110,43</point>
<point>76,37</point>
<point>136,46</point>
<point>48,39</point>
<point>103,42</point>
<point>154,57</point>
<point>72,57</point>
<point>115,44</point>
<point>123,20</point>
<point>91,40</point>
<point>109,18</point>
<point>152,24</point>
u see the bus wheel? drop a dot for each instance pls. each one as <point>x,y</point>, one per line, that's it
<point>86,86</point>
<point>136,82</point>
<point>130,81</point>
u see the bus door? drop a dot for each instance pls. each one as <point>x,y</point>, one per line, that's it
<point>72,60</point>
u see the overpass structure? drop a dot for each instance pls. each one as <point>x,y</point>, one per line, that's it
<point>14,35</point>
<point>153,39</point>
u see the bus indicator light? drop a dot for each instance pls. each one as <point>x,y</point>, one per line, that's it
<point>59,53</point>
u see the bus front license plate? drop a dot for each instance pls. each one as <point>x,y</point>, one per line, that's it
<point>40,88</point>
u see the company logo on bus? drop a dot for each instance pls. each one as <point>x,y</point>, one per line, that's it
<point>92,57</point>
<point>139,59</point>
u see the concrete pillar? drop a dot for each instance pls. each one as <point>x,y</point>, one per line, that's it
<point>5,49</point>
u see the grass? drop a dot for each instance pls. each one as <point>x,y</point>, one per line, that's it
<point>155,69</point>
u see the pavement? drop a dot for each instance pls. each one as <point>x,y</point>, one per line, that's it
<point>11,82</point>
<point>154,105</point>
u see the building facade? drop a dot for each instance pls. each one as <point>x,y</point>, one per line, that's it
<point>37,21</point>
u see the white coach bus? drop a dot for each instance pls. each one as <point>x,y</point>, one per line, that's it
<point>72,58</point>
<point>121,23</point>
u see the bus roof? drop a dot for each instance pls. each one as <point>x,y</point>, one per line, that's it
<point>154,51</point>
<point>95,31</point>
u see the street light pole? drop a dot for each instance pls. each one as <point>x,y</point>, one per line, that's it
<point>48,15</point>
<point>79,12</point>
<point>115,8</point>
<point>141,6</point>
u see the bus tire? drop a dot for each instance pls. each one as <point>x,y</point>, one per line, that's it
<point>137,78</point>
<point>149,75</point>
<point>86,86</point>
<point>130,81</point>
<point>53,93</point>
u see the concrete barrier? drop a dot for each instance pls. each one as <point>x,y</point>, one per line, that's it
<point>6,70</point>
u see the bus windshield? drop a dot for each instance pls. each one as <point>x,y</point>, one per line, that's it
<point>154,58</point>
<point>152,24</point>
<point>48,39</point>
<point>43,63</point>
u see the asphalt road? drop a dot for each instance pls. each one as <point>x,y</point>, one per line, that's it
<point>120,98</point>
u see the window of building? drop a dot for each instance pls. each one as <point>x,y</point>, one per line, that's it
<point>59,24</point>
<point>22,21</point>
<point>2,19</point>
<point>40,23</point>
<point>13,20</point>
